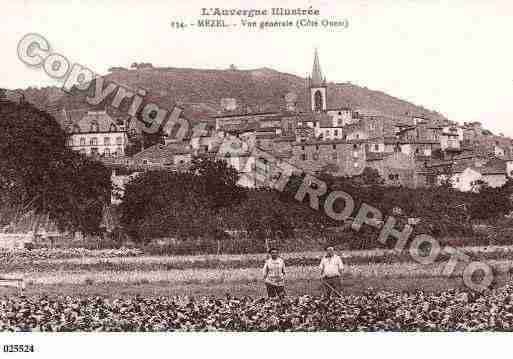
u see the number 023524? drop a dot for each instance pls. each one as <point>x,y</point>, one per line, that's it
<point>18,348</point>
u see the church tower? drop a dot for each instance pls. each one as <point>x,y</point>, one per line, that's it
<point>317,86</point>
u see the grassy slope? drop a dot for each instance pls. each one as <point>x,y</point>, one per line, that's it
<point>201,91</point>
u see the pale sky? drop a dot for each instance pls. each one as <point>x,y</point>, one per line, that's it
<point>456,59</point>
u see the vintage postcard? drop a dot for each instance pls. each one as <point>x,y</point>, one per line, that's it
<point>255,166</point>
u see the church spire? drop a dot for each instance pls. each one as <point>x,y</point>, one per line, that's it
<point>317,79</point>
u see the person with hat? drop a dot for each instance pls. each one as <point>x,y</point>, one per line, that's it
<point>331,271</point>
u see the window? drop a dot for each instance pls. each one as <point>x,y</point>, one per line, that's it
<point>317,147</point>
<point>119,140</point>
<point>334,147</point>
<point>357,136</point>
<point>303,157</point>
<point>119,150</point>
<point>340,112</point>
<point>82,141</point>
<point>316,156</point>
<point>106,141</point>
<point>70,142</point>
<point>93,141</point>
<point>318,101</point>
<point>334,155</point>
<point>107,152</point>
<point>452,143</point>
<point>376,147</point>
<point>94,151</point>
<point>335,133</point>
<point>94,126</point>
<point>355,146</point>
<point>302,148</point>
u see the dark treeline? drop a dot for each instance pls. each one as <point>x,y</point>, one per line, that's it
<point>206,203</point>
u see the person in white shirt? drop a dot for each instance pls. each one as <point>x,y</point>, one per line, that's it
<point>331,270</point>
<point>274,275</point>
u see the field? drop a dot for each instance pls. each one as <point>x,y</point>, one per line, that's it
<point>63,278</point>
<point>93,272</point>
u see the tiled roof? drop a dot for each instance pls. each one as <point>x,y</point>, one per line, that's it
<point>162,153</point>
<point>390,140</point>
<point>240,128</point>
<point>281,154</point>
<point>268,129</point>
<point>417,141</point>
<point>376,156</point>
<point>327,142</point>
<point>285,139</point>
<point>494,166</point>
<point>464,156</point>
<point>459,167</point>
<point>264,135</point>
<point>249,115</point>
<point>438,163</point>
<point>93,121</point>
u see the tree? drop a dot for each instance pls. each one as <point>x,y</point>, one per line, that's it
<point>163,204</point>
<point>182,205</point>
<point>265,217</point>
<point>489,203</point>
<point>370,176</point>
<point>218,182</point>
<point>39,173</point>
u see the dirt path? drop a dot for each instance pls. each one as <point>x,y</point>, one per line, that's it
<point>352,286</point>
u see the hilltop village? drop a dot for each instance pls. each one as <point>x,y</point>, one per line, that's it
<point>412,150</point>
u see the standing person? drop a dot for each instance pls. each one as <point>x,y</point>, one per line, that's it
<point>274,274</point>
<point>331,270</point>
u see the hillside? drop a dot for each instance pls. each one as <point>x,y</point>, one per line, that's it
<point>201,91</point>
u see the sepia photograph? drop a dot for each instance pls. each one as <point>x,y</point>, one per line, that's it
<point>243,166</point>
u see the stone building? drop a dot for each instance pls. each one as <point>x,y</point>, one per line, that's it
<point>97,134</point>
